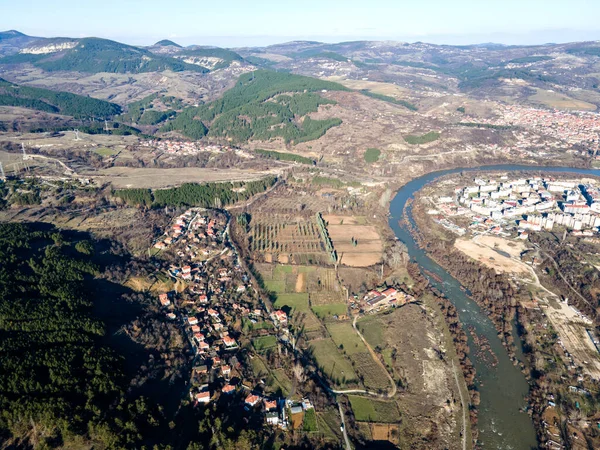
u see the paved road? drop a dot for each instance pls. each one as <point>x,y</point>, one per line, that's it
<point>348,446</point>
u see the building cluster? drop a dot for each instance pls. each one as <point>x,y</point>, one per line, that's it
<point>200,235</point>
<point>183,148</point>
<point>533,204</point>
<point>217,298</point>
<point>574,128</point>
<point>377,300</point>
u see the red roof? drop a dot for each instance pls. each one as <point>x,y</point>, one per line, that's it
<point>228,388</point>
<point>252,400</point>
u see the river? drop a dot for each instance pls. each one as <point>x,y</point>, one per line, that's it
<point>502,387</point>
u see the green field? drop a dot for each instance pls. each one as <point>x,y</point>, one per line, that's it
<point>297,302</point>
<point>372,331</point>
<point>372,155</point>
<point>283,381</point>
<point>333,309</point>
<point>275,285</point>
<point>344,335</point>
<point>370,410</point>
<point>424,139</point>
<point>106,151</point>
<point>310,420</point>
<point>332,362</point>
<point>264,342</point>
<point>258,366</point>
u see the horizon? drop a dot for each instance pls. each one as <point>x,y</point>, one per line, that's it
<point>234,24</point>
<point>282,40</point>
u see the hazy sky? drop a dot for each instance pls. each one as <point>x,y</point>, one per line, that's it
<point>260,22</point>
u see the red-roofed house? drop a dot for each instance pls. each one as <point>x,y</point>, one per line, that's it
<point>228,389</point>
<point>213,313</point>
<point>164,299</point>
<point>192,320</point>
<point>252,400</point>
<point>195,329</point>
<point>270,404</point>
<point>229,341</point>
<point>280,316</point>
<point>203,299</point>
<point>226,370</point>
<point>203,397</point>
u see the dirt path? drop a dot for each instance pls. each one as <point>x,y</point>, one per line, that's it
<point>464,408</point>
<point>394,388</point>
<point>348,446</point>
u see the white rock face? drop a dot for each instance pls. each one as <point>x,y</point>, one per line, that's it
<point>52,48</point>
<point>204,61</point>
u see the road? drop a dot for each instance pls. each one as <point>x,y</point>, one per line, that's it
<point>464,408</point>
<point>348,446</point>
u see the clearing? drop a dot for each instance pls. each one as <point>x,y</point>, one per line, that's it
<point>150,178</point>
<point>490,257</point>
<point>371,410</point>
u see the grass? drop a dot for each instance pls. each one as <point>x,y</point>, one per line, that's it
<point>283,381</point>
<point>306,269</point>
<point>279,271</point>
<point>247,325</point>
<point>106,151</point>
<point>295,302</point>
<point>372,155</point>
<point>264,342</point>
<point>333,309</point>
<point>328,423</point>
<point>344,335</point>
<point>371,329</point>
<point>310,420</point>
<point>370,410</point>
<point>335,365</point>
<point>258,366</point>
<point>275,285</point>
<point>424,139</point>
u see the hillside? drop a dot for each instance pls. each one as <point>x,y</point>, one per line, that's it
<point>213,57</point>
<point>95,55</point>
<point>55,102</point>
<point>255,109</point>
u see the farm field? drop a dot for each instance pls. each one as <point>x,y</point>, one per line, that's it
<point>332,362</point>
<point>305,288</point>
<point>371,410</point>
<point>380,431</point>
<point>287,240</point>
<point>356,244</point>
<point>132,177</point>
<point>334,309</point>
<point>281,379</point>
<point>343,334</point>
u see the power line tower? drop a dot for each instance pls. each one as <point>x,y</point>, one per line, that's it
<point>77,138</point>
<point>2,170</point>
<point>106,125</point>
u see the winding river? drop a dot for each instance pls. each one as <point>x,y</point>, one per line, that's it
<point>502,387</point>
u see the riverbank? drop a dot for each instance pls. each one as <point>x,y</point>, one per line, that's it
<point>501,299</point>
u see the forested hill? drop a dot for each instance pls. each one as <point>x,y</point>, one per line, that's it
<point>60,386</point>
<point>102,55</point>
<point>55,102</point>
<point>262,105</point>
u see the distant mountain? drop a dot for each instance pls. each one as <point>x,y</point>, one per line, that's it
<point>11,34</point>
<point>167,43</point>
<point>96,55</point>
<point>12,41</point>
<point>55,102</point>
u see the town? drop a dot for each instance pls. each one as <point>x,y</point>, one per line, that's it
<point>508,206</point>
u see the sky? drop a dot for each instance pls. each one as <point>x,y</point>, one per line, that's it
<point>240,23</point>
